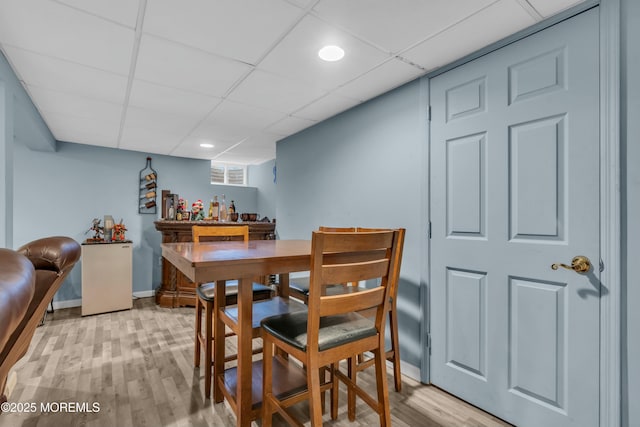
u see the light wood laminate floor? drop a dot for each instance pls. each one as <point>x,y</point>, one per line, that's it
<point>137,366</point>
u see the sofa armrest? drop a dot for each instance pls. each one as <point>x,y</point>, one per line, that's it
<point>52,253</point>
<point>17,286</point>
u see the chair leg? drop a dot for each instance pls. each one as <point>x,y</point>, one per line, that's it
<point>315,407</point>
<point>198,328</point>
<point>381,386</point>
<point>395,347</point>
<point>352,372</point>
<point>267,378</point>
<point>333,393</point>
<point>208,349</point>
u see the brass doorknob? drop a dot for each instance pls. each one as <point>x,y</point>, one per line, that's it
<point>579,264</point>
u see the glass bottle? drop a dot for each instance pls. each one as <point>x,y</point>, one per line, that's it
<point>210,216</point>
<point>216,209</point>
<point>223,209</point>
<point>232,207</point>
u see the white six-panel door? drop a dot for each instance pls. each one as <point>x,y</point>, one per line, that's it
<point>514,189</point>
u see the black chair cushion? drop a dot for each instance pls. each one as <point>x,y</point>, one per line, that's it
<point>206,292</point>
<point>334,330</point>
<point>300,285</point>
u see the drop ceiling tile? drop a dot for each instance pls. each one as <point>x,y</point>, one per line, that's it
<point>260,147</point>
<point>56,30</point>
<point>326,107</point>
<point>398,24</point>
<point>74,105</point>
<point>82,130</point>
<point>122,11</point>
<point>231,113</point>
<point>273,92</point>
<point>296,57</point>
<point>381,79</point>
<point>548,8</point>
<point>178,66</point>
<point>302,3</point>
<point>219,133</point>
<point>158,121</point>
<point>290,125</point>
<point>245,159</point>
<point>190,147</point>
<point>64,76</point>
<point>171,101</point>
<point>181,67</point>
<point>149,140</point>
<point>501,19</point>
<point>243,30</point>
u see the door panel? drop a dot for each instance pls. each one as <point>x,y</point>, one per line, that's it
<point>515,188</point>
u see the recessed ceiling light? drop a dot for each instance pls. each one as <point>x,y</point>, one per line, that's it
<point>331,53</point>
<point>205,145</point>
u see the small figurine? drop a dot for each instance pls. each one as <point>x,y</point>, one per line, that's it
<point>182,205</point>
<point>118,231</point>
<point>197,211</point>
<point>97,229</point>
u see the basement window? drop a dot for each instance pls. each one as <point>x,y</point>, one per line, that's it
<point>228,174</point>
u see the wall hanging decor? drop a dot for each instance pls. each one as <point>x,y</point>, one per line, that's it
<point>148,186</point>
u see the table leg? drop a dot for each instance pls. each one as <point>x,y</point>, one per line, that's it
<point>219,340</point>
<point>284,285</point>
<point>245,317</point>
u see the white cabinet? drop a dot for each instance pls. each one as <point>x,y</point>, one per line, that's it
<point>106,277</point>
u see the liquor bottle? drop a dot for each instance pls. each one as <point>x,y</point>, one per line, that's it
<point>232,207</point>
<point>216,209</point>
<point>223,209</point>
<point>210,209</point>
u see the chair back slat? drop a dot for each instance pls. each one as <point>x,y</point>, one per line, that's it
<point>198,231</point>
<point>353,242</point>
<point>357,272</point>
<point>362,300</point>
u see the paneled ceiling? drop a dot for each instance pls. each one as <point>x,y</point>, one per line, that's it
<point>164,76</point>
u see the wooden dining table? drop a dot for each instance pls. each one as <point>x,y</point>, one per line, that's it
<point>245,262</point>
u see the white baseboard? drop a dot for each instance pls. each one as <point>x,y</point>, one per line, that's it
<point>408,369</point>
<point>78,302</point>
<point>67,304</point>
<point>144,294</point>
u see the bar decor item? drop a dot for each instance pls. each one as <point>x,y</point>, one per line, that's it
<point>147,185</point>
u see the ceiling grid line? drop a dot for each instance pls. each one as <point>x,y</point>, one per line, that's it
<point>161,76</point>
<point>132,70</point>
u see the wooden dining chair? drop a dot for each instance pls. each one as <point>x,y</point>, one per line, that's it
<point>332,329</point>
<point>299,288</point>
<point>205,298</point>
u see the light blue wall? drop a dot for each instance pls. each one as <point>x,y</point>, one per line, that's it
<point>262,177</point>
<point>630,152</point>
<point>245,198</point>
<point>364,168</point>
<point>55,188</point>
<point>59,193</point>
<point>19,120</point>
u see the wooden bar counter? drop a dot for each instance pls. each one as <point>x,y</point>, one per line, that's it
<point>176,289</point>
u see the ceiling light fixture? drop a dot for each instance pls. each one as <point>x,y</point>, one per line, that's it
<point>203,145</point>
<point>331,53</point>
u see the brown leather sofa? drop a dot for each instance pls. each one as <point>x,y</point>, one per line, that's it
<point>29,278</point>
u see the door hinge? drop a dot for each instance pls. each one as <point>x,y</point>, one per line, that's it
<point>429,112</point>
<point>429,342</point>
<point>429,232</point>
